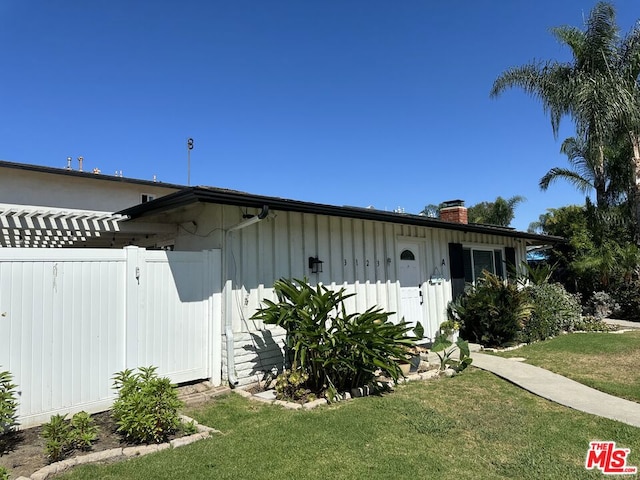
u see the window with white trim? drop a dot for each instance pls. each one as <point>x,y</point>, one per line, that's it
<point>476,260</point>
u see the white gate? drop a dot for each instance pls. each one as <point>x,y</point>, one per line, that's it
<point>71,318</point>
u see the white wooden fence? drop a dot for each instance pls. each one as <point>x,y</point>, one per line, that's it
<point>71,318</point>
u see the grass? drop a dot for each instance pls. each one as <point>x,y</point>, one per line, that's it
<point>471,426</point>
<point>606,361</point>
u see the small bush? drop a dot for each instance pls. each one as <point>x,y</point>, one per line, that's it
<point>290,386</point>
<point>553,310</point>
<point>146,409</point>
<point>491,312</point>
<point>601,305</point>
<point>8,404</point>
<point>189,428</point>
<point>593,324</point>
<point>84,433</point>
<point>627,296</point>
<point>58,436</point>
<point>4,473</point>
<point>62,435</point>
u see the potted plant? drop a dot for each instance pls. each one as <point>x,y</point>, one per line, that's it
<point>411,362</point>
<point>450,329</point>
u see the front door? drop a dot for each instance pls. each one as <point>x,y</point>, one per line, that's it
<point>411,278</point>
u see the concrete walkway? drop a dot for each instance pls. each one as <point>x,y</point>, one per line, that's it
<point>559,389</point>
<point>624,324</point>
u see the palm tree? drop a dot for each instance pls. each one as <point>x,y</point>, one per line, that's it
<point>499,212</point>
<point>608,175</point>
<point>598,89</point>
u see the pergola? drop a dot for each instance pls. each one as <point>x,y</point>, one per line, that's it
<point>46,227</point>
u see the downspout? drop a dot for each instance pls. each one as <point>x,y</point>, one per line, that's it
<point>228,294</point>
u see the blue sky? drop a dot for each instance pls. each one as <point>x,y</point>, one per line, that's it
<point>344,102</point>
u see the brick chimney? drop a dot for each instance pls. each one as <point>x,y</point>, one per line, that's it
<point>454,211</point>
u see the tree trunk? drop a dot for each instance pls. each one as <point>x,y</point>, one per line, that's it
<point>600,181</point>
<point>635,187</point>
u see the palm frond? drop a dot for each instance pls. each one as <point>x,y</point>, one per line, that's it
<point>583,185</point>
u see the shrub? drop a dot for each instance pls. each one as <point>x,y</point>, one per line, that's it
<point>58,436</point>
<point>84,433</point>
<point>627,296</point>
<point>593,324</point>
<point>8,403</point>
<point>554,310</point>
<point>146,409</point>
<point>4,473</point>
<point>491,312</point>
<point>290,385</point>
<point>601,305</point>
<point>62,436</point>
<point>338,351</point>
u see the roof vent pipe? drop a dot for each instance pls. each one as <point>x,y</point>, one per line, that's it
<point>228,302</point>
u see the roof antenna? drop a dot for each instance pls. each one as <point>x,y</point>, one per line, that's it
<point>189,148</point>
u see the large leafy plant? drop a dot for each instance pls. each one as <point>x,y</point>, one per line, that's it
<point>491,312</point>
<point>337,350</point>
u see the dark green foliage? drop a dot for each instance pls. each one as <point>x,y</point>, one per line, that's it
<point>491,312</point>
<point>146,409</point>
<point>338,350</point>
<point>499,212</point>
<point>8,404</point>
<point>627,296</point>
<point>599,254</point>
<point>536,274</point>
<point>554,310</point>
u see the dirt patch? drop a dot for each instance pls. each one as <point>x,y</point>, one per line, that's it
<point>24,449</point>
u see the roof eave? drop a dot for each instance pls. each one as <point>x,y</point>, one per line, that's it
<point>192,195</point>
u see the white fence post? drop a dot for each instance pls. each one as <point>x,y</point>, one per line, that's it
<point>134,257</point>
<point>213,267</point>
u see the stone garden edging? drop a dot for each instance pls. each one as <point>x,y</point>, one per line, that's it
<point>123,453</point>
<point>355,393</point>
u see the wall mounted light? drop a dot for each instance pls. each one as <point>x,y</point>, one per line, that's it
<point>315,265</point>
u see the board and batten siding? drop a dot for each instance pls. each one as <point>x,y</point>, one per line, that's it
<point>358,255</point>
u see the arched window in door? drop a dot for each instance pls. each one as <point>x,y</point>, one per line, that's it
<point>407,255</point>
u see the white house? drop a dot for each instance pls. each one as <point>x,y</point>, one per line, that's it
<point>61,207</point>
<point>196,265</point>
<point>408,264</point>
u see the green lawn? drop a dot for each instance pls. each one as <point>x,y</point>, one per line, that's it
<point>606,361</point>
<point>471,426</point>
